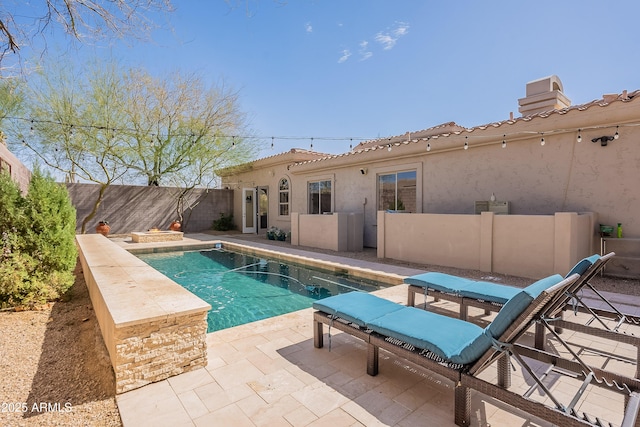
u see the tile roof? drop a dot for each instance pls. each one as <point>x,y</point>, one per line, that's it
<point>294,156</point>
<point>451,128</point>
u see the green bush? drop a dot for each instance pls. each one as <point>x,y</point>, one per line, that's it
<point>38,252</point>
<point>224,223</point>
<point>10,203</point>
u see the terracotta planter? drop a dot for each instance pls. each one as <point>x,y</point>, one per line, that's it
<point>175,226</point>
<point>103,228</point>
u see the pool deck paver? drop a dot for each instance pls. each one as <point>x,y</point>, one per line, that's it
<point>268,373</point>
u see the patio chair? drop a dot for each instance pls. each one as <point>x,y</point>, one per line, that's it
<point>486,295</point>
<point>460,350</point>
<point>491,297</point>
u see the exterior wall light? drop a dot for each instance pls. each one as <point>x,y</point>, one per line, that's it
<point>604,140</point>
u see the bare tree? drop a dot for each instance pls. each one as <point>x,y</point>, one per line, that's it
<point>23,23</point>
<point>181,128</point>
<point>107,125</point>
<point>62,133</point>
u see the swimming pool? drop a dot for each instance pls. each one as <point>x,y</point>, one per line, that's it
<point>244,288</point>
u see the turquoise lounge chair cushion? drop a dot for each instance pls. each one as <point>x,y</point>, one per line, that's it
<point>452,339</point>
<point>356,307</point>
<point>517,304</point>
<point>460,286</point>
<point>439,281</point>
<point>583,265</point>
<point>488,291</point>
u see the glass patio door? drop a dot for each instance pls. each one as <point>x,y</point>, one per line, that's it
<point>249,210</point>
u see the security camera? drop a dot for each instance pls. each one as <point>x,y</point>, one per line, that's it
<point>363,171</point>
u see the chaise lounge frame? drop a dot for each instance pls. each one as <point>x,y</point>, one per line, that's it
<point>596,326</point>
<point>465,377</point>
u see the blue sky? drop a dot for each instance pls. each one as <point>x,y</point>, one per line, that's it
<point>367,69</point>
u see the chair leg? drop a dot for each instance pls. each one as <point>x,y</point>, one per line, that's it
<point>372,359</point>
<point>560,316</point>
<point>464,310</point>
<point>504,373</point>
<point>411,298</point>
<point>539,336</point>
<point>318,335</point>
<point>462,405</point>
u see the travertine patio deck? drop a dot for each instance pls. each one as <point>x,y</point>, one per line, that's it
<point>268,373</point>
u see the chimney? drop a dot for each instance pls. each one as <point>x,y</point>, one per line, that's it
<point>543,95</point>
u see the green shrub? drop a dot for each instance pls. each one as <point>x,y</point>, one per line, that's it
<point>37,252</point>
<point>50,232</point>
<point>224,223</point>
<point>10,204</point>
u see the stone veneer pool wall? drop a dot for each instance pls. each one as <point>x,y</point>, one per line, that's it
<point>153,328</point>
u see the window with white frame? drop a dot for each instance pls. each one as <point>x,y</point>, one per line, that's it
<point>283,197</point>
<point>319,197</point>
<point>397,191</point>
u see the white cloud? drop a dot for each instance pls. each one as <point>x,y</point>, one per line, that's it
<point>389,39</point>
<point>346,53</point>
<point>364,51</point>
<point>308,28</point>
<point>401,29</point>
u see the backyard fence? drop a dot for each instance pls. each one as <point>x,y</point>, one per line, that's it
<point>523,245</point>
<point>138,208</point>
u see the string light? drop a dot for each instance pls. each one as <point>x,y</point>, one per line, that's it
<point>504,141</point>
<point>73,127</point>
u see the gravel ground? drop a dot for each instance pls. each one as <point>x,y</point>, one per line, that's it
<point>55,369</point>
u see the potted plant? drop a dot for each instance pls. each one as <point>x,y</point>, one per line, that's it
<point>274,233</point>
<point>175,226</point>
<point>103,228</point>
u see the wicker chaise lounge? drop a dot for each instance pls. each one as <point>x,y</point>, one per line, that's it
<point>492,296</point>
<point>453,348</point>
<point>489,296</point>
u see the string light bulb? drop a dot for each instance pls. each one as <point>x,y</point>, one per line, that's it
<point>616,135</point>
<point>428,146</point>
<point>542,140</point>
<point>579,135</point>
<point>466,143</point>
<point>312,143</point>
<point>504,141</point>
<point>389,147</point>
<point>272,142</point>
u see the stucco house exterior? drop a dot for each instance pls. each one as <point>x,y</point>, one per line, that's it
<point>10,164</point>
<point>554,158</point>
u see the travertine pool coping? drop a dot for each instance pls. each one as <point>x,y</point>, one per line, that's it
<point>153,328</point>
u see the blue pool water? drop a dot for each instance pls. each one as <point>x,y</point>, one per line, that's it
<point>243,288</point>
